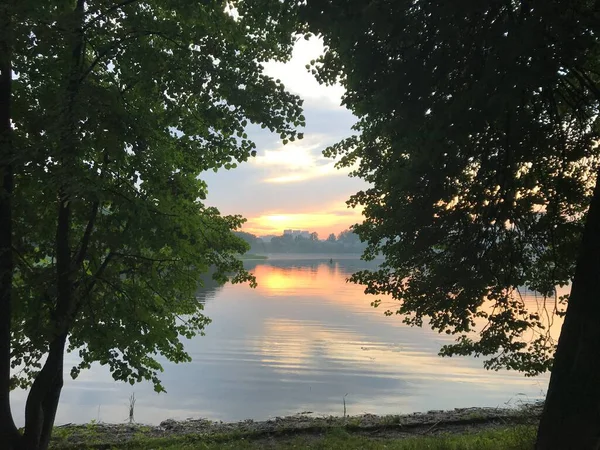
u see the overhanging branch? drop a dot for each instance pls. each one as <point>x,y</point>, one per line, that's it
<point>100,15</point>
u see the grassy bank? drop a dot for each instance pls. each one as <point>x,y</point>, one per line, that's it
<point>458,429</point>
<point>519,437</point>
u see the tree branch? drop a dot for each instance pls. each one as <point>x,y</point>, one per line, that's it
<point>102,268</point>
<point>106,13</point>
<point>98,274</point>
<point>145,258</point>
<point>85,240</point>
<point>131,35</point>
<point>104,53</point>
<point>22,258</point>
<point>587,81</point>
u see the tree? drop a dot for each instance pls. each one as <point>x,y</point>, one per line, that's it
<point>314,236</point>
<point>477,133</point>
<point>249,238</point>
<point>331,238</point>
<point>277,244</point>
<point>348,237</point>
<point>109,112</point>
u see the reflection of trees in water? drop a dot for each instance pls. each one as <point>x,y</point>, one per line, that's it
<point>346,266</point>
<point>207,287</point>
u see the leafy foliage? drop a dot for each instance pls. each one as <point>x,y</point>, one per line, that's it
<point>118,108</point>
<point>477,131</point>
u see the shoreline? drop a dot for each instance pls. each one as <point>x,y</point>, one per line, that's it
<point>459,420</point>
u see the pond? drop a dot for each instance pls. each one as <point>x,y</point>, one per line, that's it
<point>304,340</point>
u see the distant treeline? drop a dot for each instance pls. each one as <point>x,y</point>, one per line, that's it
<point>345,242</point>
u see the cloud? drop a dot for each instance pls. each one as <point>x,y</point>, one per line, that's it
<point>300,160</point>
<point>293,185</point>
<point>299,80</point>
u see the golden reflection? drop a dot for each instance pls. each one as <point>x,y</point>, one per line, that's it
<point>275,280</point>
<point>284,346</point>
<point>328,282</point>
<point>317,280</point>
<point>533,303</point>
<point>319,326</point>
<point>289,346</point>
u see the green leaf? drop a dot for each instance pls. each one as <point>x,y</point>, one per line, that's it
<point>118,110</point>
<point>478,140</point>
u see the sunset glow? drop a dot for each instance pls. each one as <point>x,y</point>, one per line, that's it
<point>292,185</point>
<point>323,223</point>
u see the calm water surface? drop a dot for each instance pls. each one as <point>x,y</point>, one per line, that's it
<point>299,342</point>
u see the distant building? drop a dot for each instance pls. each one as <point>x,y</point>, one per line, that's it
<point>294,233</point>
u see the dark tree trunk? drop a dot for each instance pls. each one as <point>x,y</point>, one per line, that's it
<point>9,435</point>
<point>571,416</point>
<point>50,405</point>
<point>42,400</point>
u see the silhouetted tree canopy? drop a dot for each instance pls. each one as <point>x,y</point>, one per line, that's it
<point>477,131</point>
<point>476,127</point>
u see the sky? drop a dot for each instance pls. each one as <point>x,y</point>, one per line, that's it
<point>293,186</point>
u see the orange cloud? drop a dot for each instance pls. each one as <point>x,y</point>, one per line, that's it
<point>331,220</point>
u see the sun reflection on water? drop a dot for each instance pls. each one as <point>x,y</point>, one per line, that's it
<point>302,340</point>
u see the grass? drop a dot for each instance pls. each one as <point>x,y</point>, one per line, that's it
<point>512,438</point>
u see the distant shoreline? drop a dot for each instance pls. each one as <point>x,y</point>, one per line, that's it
<point>253,257</point>
<point>301,256</point>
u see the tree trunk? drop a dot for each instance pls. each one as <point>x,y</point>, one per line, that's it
<point>42,400</point>
<point>571,416</point>
<point>8,431</point>
<point>50,405</point>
